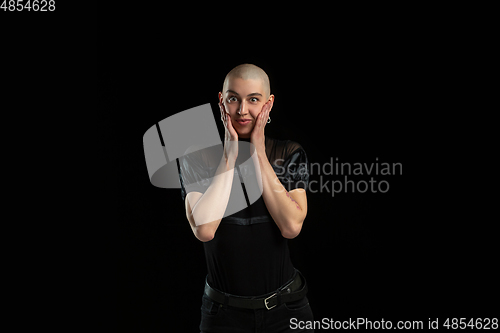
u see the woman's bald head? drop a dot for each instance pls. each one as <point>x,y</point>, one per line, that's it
<point>246,72</point>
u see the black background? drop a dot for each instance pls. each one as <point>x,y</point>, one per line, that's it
<point>353,85</point>
<point>395,255</point>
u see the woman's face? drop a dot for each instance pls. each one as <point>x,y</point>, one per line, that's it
<point>244,99</point>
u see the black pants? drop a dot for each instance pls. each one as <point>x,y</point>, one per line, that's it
<point>217,318</point>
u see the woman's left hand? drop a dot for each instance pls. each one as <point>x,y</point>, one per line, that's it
<point>257,137</point>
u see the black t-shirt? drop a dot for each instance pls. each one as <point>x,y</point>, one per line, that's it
<point>248,256</point>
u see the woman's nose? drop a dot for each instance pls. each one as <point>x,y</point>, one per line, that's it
<point>243,109</point>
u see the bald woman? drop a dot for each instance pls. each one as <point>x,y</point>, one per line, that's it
<point>251,284</point>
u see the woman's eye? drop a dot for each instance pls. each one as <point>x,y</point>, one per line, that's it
<point>254,99</point>
<point>233,99</point>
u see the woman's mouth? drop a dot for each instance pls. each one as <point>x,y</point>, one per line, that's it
<point>244,121</point>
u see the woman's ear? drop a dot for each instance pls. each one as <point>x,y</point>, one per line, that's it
<point>271,99</point>
<point>220,98</point>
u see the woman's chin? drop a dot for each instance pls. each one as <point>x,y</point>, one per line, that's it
<point>244,134</point>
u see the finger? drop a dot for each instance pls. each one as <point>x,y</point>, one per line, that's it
<point>224,119</point>
<point>230,126</point>
<point>224,115</point>
<point>222,108</point>
<point>221,112</point>
<point>263,119</point>
<point>266,113</point>
<point>263,109</point>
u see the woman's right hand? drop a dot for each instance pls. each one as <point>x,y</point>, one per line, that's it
<point>230,136</point>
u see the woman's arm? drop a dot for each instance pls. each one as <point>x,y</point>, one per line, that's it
<point>288,209</point>
<point>205,211</point>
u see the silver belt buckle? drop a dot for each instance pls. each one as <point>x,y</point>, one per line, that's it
<point>265,302</point>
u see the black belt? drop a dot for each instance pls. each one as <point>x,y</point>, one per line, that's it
<point>291,291</point>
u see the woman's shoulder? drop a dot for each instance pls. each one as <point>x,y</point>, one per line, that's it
<point>202,155</point>
<point>289,145</point>
<point>282,148</point>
